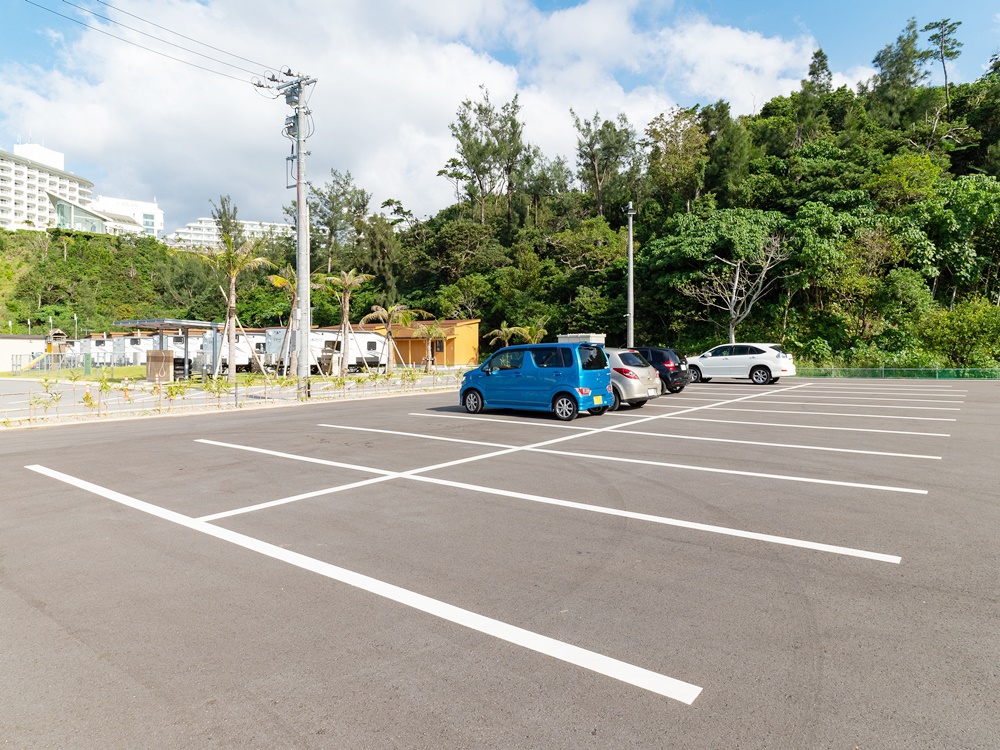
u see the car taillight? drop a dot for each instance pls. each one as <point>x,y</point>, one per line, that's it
<point>583,391</point>
<point>626,372</point>
<point>670,365</point>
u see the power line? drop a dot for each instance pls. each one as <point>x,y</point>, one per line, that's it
<point>164,41</point>
<point>134,44</point>
<point>175,33</point>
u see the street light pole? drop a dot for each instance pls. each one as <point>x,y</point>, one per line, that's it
<point>76,328</point>
<point>630,337</point>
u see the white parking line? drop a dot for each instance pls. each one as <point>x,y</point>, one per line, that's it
<point>810,426</point>
<point>660,684</point>
<point>830,414</point>
<point>887,388</point>
<point>859,406</point>
<point>665,435</point>
<point>882,398</point>
<point>600,509</point>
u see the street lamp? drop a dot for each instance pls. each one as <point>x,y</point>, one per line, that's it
<point>630,337</point>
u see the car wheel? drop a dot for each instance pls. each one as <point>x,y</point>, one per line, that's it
<point>760,375</point>
<point>675,388</point>
<point>565,408</point>
<point>637,404</point>
<point>616,400</point>
<point>695,375</point>
<point>598,410</point>
<point>473,402</point>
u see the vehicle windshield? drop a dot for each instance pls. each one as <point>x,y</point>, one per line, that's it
<point>632,359</point>
<point>593,358</point>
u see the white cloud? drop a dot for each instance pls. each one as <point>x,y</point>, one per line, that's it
<point>721,62</point>
<point>391,75</point>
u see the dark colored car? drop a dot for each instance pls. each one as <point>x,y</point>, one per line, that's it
<point>671,366</point>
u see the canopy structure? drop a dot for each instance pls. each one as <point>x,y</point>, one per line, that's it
<point>166,324</point>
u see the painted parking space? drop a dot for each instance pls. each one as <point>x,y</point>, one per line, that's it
<point>809,492</point>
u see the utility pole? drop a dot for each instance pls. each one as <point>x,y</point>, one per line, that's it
<point>296,128</point>
<point>630,337</point>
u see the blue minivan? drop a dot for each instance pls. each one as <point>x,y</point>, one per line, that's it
<point>561,378</point>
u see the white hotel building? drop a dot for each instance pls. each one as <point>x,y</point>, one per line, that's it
<point>37,193</point>
<point>205,233</point>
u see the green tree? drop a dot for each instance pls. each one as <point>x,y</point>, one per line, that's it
<point>606,153</point>
<point>465,298</point>
<point>225,217</point>
<point>944,47</point>
<point>505,334</point>
<point>287,281</point>
<point>535,331</point>
<point>730,154</point>
<point>678,155</point>
<point>900,71</point>
<point>229,262</point>
<point>491,151</point>
<point>967,335</point>
<point>430,331</point>
<point>390,316</point>
<point>335,212</point>
<point>811,119</point>
<point>343,286</point>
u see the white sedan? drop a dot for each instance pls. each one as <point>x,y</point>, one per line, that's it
<point>761,363</point>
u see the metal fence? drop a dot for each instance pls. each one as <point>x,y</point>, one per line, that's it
<point>25,402</point>
<point>932,373</point>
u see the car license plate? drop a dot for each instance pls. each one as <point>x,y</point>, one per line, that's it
<point>598,399</point>
<point>684,365</point>
<point>652,392</point>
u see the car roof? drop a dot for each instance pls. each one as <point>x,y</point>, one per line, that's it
<point>553,343</point>
<point>742,343</point>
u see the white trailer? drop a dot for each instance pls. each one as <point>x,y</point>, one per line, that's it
<point>214,345</point>
<point>365,350</point>
<point>131,350</point>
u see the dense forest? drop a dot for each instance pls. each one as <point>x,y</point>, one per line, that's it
<point>857,227</point>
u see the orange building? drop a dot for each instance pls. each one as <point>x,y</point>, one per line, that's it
<point>458,346</point>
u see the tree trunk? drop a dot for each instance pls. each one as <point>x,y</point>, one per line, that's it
<point>344,323</point>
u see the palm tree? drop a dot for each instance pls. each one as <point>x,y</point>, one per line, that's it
<point>430,331</point>
<point>231,261</point>
<point>342,286</point>
<point>534,332</point>
<point>389,316</point>
<point>288,282</point>
<point>505,333</point>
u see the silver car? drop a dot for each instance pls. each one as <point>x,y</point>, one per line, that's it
<point>633,380</point>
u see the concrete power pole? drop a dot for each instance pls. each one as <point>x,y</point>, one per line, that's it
<point>296,129</point>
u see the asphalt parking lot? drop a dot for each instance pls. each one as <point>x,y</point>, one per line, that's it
<point>811,564</point>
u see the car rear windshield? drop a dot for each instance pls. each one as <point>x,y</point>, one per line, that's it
<point>551,356</point>
<point>593,358</point>
<point>632,359</point>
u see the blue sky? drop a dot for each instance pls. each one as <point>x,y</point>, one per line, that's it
<point>392,74</point>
